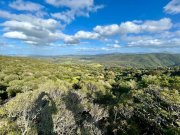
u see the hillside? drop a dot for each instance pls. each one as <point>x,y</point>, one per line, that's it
<point>122,60</point>
<point>38,97</point>
<point>140,60</point>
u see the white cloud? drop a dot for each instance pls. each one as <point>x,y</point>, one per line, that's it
<point>31,42</point>
<point>41,13</point>
<point>116,42</point>
<point>15,34</point>
<point>146,26</point>
<point>113,45</point>
<point>34,28</point>
<point>150,42</point>
<point>25,5</point>
<point>73,4</point>
<point>163,39</point>
<point>38,34</point>
<point>37,30</point>
<point>157,26</point>
<point>108,30</point>
<point>155,43</point>
<point>134,27</point>
<point>66,17</point>
<point>17,24</point>
<point>86,35</point>
<point>129,27</point>
<point>34,20</point>
<point>76,8</point>
<point>96,49</point>
<point>71,40</point>
<point>173,7</point>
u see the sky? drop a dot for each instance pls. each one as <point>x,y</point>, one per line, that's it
<point>88,27</point>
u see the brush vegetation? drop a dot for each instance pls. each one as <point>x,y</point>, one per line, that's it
<point>51,97</point>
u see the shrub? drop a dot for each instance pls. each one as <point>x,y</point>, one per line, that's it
<point>12,91</point>
<point>10,78</point>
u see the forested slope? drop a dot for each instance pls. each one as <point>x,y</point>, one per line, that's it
<point>123,60</point>
<point>140,60</point>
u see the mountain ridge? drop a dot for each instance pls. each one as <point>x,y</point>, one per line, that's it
<point>116,59</point>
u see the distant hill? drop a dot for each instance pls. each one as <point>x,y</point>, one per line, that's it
<point>123,60</point>
<point>139,60</point>
<point>151,60</point>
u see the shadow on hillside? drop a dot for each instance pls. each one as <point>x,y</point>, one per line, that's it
<point>44,109</point>
<point>73,104</point>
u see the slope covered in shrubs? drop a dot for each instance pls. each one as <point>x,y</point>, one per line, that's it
<point>38,97</point>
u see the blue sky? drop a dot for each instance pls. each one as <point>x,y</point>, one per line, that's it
<point>61,27</point>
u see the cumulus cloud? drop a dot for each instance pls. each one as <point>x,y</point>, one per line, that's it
<point>173,7</point>
<point>95,49</point>
<point>150,42</point>
<point>25,5</point>
<point>134,27</point>
<point>34,20</point>
<point>66,17</point>
<point>155,43</point>
<point>70,40</point>
<point>73,4</point>
<point>113,45</point>
<point>129,27</point>
<point>157,26</point>
<point>164,39</point>
<point>76,8</point>
<point>80,35</point>
<point>36,30</point>
<point>31,42</point>
<point>86,35</point>
<point>15,34</point>
<point>108,30</point>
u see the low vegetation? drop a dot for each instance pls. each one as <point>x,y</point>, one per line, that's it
<point>151,60</point>
<point>47,98</point>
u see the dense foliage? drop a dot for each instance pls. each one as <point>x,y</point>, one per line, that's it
<point>45,98</point>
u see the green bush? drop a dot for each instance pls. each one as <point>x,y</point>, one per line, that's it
<point>8,127</point>
<point>10,78</point>
<point>12,91</point>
